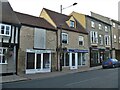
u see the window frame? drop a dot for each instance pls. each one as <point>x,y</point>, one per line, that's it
<point>94,37</point>
<point>66,34</point>
<point>92,24</point>
<point>101,42</point>
<point>113,24</point>
<point>72,24</point>
<point>2,55</point>
<point>107,40</point>
<point>100,26</point>
<point>5,30</point>
<point>106,28</point>
<point>81,38</point>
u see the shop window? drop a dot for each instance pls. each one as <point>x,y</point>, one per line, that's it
<point>3,59</point>
<point>46,63</point>
<point>65,59</point>
<point>30,60</point>
<point>81,59</point>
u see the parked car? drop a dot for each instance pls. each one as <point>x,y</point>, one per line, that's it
<point>110,63</point>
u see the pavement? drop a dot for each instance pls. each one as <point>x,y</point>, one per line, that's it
<point>16,78</point>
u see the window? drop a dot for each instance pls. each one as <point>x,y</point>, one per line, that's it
<point>113,24</point>
<point>81,59</point>
<point>101,39</point>
<point>81,40</point>
<point>107,40</point>
<point>5,29</point>
<point>115,38</point>
<point>65,38</point>
<point>119,39</point>
<point>94,37</point>
<point>72,24</point>
<point>100,26</point>
<point>106,28</point>
<point>3,60</point>
<point>92,24</point>
<point>65,59</point>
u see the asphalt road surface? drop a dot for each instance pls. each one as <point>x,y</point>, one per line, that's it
<point>103,78</point>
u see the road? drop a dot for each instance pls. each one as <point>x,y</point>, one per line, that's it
<point>103,78</point>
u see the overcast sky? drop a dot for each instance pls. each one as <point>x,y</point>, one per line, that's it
<point>108,8</point>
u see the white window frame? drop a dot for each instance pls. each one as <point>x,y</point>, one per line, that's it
<point>94,35</point>
<point>92,24</point>
<point>66,37</point>
<point>119,39</point>
<point>72,23</point>
<point>101,39</point>
<point>5,29</point>
<point>2,54</point>
<point>100,26</point>
<point>81,39</point>
<point>113,24</point>
<point>106,29</point>
<point>107,37</point>
<point>115,38</point>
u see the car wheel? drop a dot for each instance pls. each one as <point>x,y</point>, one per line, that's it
<point>113,66</point>
<point>103,67</point>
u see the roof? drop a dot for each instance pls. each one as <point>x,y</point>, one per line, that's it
<point>98,19</point>
<point>33,21</point>
<point>60,19</point>
<point>7,14</point>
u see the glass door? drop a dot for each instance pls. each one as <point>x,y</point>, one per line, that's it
<point>73,60</point>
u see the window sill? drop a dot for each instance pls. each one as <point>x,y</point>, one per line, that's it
<point>3,63</point>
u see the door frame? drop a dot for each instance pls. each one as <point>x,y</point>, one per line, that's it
<point>76,61</point>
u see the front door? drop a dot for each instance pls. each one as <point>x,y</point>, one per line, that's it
<point>73,60</point>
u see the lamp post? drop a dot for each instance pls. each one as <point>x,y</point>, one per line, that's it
<point>61,9</point>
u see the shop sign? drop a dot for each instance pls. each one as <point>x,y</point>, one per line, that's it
<point>38,51</point>
<point>77,50</point>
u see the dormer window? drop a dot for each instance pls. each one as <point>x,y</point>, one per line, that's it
<point>72,23</point>
<point>5,29</point>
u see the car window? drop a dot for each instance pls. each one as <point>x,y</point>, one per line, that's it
<point>115,60</point>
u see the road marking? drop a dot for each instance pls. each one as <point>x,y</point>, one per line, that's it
<point>87,80</point>
<point>80,81</point>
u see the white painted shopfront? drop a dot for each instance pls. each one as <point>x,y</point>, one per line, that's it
<point>74,58</point>
<point>38,61</point>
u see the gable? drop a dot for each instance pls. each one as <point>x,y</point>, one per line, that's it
<point>45,15</point>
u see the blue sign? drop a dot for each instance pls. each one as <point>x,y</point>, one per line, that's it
<point>77,50</point>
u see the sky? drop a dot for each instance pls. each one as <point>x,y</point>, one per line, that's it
<point>108,8</point>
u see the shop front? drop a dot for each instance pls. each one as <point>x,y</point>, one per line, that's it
<point>73,58</point>
<point>98,55</point>
<point>38,61</point>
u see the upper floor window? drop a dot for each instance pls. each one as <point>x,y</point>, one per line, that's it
<point>119,39</point>
<point>113,24</point>
<point>115,38</point>
<point>81,40</point>
<point>94,37</point>
<point>101,39</point>
<point>5,29</point>
<point>107,40</point>
<point>3,59</point>
<point>100,26</point>
<point>72,23</point>
<point>92,24</point>
<point>65,38</point>
<point>106,28</point>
